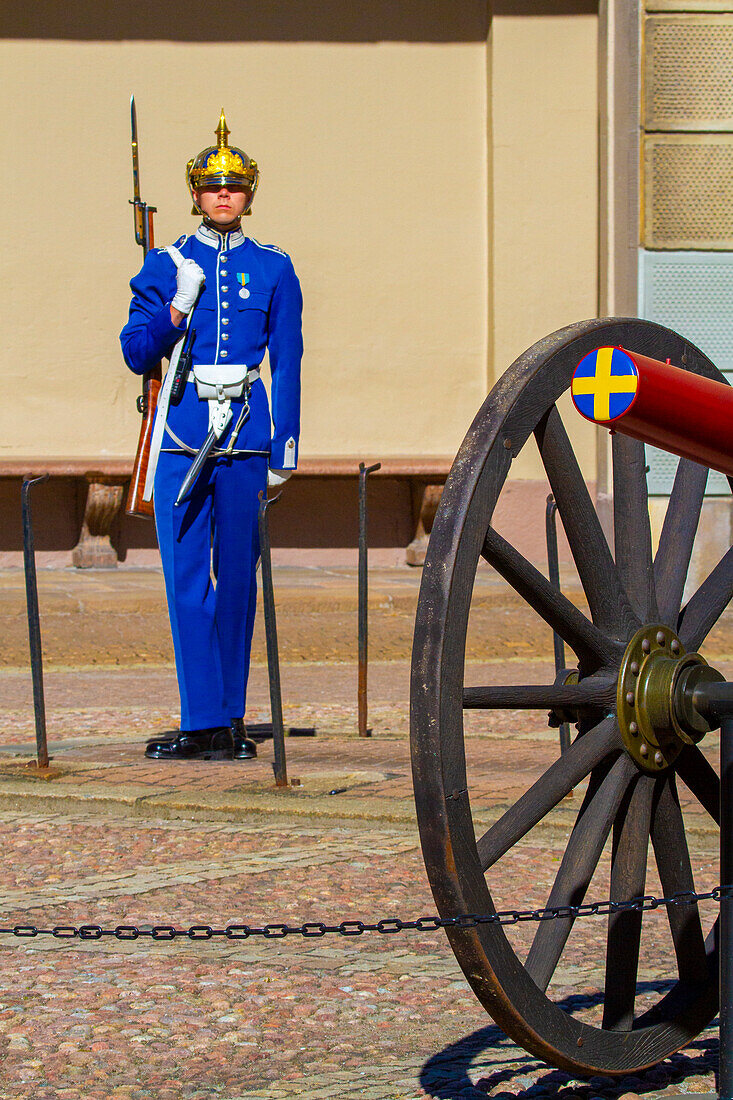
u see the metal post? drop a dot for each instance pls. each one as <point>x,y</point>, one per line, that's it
<point>34,624</point>
<point>714,701</point>
<point>553,569</point>
<point>273,660</point>
<point>725,1071</point>
<point>364,472</point>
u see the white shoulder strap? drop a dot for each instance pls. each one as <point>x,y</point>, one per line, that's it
<point>174,254</point>
<point>164,395</point>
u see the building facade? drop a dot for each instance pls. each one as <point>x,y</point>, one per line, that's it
<point>453,181</point>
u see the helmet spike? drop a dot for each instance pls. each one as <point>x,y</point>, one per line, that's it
<point>222,132</point>
<point>222,164</point>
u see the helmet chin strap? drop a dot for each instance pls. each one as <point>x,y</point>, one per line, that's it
<point>235,224</point>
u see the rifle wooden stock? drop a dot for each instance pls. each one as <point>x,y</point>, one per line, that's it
<point>136,506</point>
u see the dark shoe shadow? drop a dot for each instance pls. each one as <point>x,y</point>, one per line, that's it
<point>446,1075</point>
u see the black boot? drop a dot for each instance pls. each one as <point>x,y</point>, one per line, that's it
<point>244,747</point>
<point>208,744</point>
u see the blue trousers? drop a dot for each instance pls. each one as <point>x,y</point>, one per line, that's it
<point>209,547</point>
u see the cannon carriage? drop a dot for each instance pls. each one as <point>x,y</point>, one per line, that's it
<point>635,651</point>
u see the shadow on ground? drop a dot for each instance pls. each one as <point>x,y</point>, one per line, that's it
<point>447,1075</point>
<point>262,731</point>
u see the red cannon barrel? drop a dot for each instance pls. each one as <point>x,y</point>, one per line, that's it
<point>658,403</point>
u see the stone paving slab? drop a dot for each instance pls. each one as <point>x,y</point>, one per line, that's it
<point>97,723</point>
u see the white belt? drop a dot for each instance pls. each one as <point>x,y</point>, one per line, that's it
<point>251,376</point>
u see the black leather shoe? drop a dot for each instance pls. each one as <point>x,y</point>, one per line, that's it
<point>221,745</point>
<point>166,735</point>
<point>244,747</point>
<point>208,744</point>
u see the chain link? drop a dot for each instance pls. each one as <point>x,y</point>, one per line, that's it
<point>387,926</point>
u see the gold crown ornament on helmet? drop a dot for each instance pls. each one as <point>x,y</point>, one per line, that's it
<point>222,164</point>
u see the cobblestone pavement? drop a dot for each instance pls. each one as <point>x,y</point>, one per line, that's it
<point>106,837</point>
<point>378,1017</point>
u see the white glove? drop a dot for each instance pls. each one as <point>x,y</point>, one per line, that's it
<point>189,278</point>
<point>276,478</point>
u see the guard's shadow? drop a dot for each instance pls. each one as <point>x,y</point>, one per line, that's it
<point>446,1076</point>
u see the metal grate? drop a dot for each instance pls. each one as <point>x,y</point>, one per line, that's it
<point>693,294</point>
<point>688,191</point>
<point>688,78</point>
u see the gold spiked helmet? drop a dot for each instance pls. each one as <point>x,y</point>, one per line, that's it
<point>222,164</point>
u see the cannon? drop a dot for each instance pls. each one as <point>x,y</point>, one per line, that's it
<point>637,664</point>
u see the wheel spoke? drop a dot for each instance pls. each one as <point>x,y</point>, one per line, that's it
<point>584,849</point>
<point>628,879</point>
<point>607,599</point>
<point>700,615</point>
<point>675,873</point>
<point>632,533</point>
<point>591,647</point>
<point>596,693</point>
<point>584,754</point>
<point>699,775</point>
<point>678,535</point>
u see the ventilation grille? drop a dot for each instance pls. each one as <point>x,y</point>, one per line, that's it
<point>692,294</point>
<point>688,191</point>
<point>689,73</point>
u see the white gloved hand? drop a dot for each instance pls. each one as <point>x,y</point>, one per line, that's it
<point>189,277</point>
<point>276,478</point>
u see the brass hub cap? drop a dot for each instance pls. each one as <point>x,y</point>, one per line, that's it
<point>651,717</point>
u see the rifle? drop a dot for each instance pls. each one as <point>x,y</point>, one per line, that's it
<point>148,399</point>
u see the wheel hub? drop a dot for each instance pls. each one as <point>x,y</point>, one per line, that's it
<point>654,709</point>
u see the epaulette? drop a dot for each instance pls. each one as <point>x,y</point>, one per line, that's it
<point>269,247</point>
<point>176,244</point>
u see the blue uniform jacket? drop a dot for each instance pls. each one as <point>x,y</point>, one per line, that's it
<point>251,301</point>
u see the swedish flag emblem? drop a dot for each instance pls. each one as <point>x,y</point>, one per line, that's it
<point>604,384</point>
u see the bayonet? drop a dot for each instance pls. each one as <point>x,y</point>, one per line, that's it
<point>139,238</point>
<point>143,212</point>
<point>222,416</point>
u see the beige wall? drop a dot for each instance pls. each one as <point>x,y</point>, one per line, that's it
<point>544,236</point>
<point>438,197</point>
<point>373,177</point>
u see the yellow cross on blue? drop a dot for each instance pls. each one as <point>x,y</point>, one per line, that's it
<point>604,384</point>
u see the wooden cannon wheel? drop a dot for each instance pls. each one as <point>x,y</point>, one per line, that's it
<point>630,798</point>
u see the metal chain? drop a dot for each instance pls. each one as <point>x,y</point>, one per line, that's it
<point>386,926</point>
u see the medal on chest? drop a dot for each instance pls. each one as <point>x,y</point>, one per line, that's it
<point>243,279</point>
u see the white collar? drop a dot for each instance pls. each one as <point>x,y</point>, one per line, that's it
<point>220,241</point>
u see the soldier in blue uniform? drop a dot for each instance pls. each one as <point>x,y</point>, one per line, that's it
<point>221,299</point>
